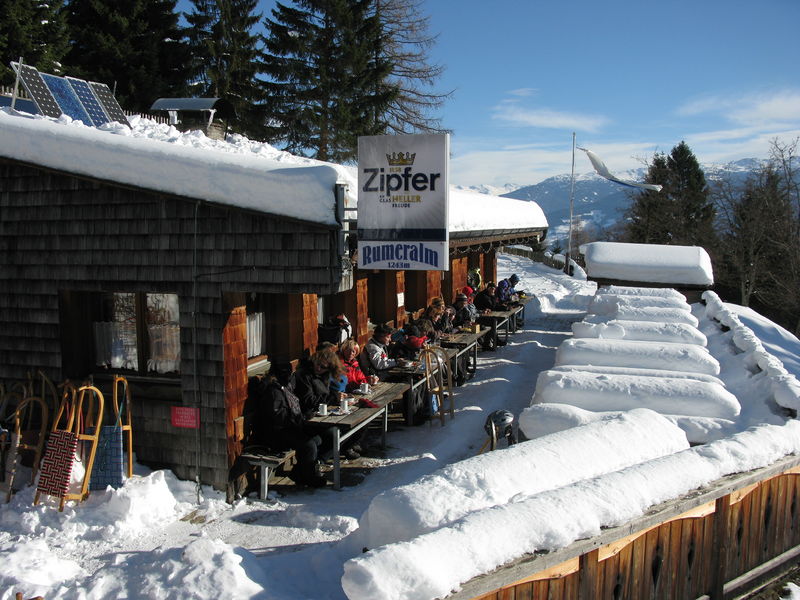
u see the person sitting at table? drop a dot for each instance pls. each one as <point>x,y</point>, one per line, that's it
<point>464,312</point>
<point>311,383</point>
<point>433,322</point>
<point>376,353</point>
<point>409,345</point>
<point>505,292</point>
<point>278,423</point>
<point>316,382</point>
<point>348,353</point>
<point>486,302</point>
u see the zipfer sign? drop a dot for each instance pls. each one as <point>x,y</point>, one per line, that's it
<point>403,202</point>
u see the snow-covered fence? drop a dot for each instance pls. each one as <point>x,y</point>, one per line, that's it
<point>715,542</point>
<point>785,387</point>
<point>695,522</point>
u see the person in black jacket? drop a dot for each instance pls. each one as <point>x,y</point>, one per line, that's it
<point>486,301</point>
<point>279,424</point>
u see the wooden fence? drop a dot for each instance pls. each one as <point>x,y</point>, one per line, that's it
<point>716,543</point>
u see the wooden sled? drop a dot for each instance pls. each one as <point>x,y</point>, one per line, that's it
<point>25,438</point>
<point>81,414</point>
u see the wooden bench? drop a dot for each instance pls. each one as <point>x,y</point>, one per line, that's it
<point>267,463</point>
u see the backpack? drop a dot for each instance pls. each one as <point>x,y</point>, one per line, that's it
<point>334,330</point>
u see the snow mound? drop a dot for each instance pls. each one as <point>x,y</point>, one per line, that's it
<point>491,479</point>
<point>609,304</point>
<point>643,331</point>
<point>665,395</point>
<point>542,419</point>
<point>622,290</point>
<point>646,313</point>
<point>648,355</point>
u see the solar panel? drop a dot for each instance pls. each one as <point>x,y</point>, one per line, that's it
<point>92,105</point>
<point>37,90</point>
<point>110,104</point>
<point>67,99</point>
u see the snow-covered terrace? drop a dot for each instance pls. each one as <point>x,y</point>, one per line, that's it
<point>236,172</point>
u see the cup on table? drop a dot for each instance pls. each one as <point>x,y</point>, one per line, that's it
<point>322,409</point>
<point>344,405</point>
<point>364,388</point>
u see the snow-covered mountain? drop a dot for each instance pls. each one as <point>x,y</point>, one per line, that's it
<point>494,190</point>
<point>602,202</point>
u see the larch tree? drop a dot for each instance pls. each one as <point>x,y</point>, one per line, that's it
<point>133,46</point>
<point>34,31</point>
<point>405,43</point>
<point>226,59</point>
<point>326,77</point>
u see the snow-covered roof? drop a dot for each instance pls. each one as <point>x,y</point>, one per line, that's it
<point>238,171</point>
<point>652,263</point>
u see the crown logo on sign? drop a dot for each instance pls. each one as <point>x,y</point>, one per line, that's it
<point>398,159</point>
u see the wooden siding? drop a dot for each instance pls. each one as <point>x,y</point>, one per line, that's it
<point>457,278</point>
<point>62,237</point>
<point>234,350</point>
<point>718,548</point>
<point>433,285</point>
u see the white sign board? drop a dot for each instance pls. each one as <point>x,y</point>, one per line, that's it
<point>403,192</point>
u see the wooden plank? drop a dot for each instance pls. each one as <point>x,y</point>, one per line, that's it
<point>723,543</point>
<point>588,575</point>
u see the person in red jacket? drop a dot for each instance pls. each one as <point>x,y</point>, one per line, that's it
<point>349,352</point>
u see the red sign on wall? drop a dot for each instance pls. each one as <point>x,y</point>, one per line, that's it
<point>187,417</point>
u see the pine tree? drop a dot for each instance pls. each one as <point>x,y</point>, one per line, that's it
<point>682,212</point>
<point>687,189</point>
<point>328,79</point>
<point>226,58</point>
<point>134,46</point>
<point>35,31</point>
<point>647,219</point>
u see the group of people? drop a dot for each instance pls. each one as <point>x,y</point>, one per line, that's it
<point>280,405</point>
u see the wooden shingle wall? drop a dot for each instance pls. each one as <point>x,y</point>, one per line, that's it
<point>63,238</point>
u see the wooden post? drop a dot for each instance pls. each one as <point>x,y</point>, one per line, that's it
<point>719,560</point>
<point>587,570</point>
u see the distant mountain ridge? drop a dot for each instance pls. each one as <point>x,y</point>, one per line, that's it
<point>602,202</point>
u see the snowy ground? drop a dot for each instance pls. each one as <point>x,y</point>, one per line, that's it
<point>151,540</point>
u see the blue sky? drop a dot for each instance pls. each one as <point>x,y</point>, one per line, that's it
<point>629,78</point>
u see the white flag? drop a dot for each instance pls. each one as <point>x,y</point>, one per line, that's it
<point>603,171</point>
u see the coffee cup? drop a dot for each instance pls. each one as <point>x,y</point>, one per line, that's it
<point>344,405</point>
<point>322,409</point>
<point>364,388</point>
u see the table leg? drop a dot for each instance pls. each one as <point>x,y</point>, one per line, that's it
<point>385,424</point>
<point>336,465</point>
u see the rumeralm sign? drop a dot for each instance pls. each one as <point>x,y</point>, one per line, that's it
<point>403,202</point>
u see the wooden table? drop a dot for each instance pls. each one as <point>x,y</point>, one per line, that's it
<point>506,319</point>
<point>347,425</point>
<point>465,342</point>
<point>414,375</point>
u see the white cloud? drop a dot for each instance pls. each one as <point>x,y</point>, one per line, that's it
<point>757,109</point>
<point>526,165</point>
<point>514,114</point>
<point>523,92</point>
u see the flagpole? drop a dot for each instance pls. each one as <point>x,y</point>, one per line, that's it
<point>571,206</point>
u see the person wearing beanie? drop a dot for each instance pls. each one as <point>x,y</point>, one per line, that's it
<point>465,312</point>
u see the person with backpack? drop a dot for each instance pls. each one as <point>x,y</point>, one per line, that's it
<point>278,423</point>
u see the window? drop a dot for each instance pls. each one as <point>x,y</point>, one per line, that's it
<point>255,335</point>
<point>138,332</point>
